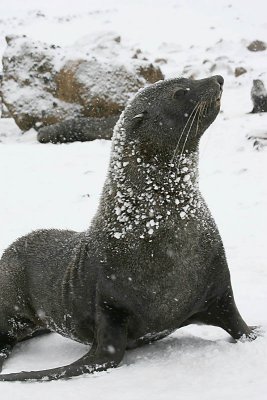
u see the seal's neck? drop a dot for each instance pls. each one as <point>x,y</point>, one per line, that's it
<point>134,165</point>
<point>142,193</point>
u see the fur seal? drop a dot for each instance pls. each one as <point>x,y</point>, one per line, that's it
<point>78,129</point>
<point>259,96</point>
<point>152,260</point>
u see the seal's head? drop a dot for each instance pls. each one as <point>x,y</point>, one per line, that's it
<point>173,114</point>
<point>258,89</point>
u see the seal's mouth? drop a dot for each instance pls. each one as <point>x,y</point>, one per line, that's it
<point>218,99</point>
<point>220,80</point>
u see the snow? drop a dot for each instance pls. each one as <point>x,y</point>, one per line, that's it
<point>59,186</point>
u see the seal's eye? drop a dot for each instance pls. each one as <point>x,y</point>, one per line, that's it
<point>180,92</point>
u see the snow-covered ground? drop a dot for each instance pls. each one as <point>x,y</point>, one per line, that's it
<point>59,186</point>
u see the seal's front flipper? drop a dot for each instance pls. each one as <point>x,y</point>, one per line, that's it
<point>224,313</point>
<point>107,352</point>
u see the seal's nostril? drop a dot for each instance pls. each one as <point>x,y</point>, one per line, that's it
<point>220,80</point>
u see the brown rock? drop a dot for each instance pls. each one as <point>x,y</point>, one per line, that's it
<point>240,71</point>
<point>257,45</point>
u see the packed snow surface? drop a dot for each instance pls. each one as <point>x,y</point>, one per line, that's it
<point>58,186</point>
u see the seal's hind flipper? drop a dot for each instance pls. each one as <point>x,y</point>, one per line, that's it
<point>106,352</point>
<point>5,351</point>
<point>66,372</point>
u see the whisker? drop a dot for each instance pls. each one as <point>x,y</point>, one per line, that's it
<point>200,114</point>
<point>187,136</point>
<point>211,100</point>
<point>206,109</point>
<point>187,122</point>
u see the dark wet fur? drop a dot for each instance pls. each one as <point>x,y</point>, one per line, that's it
<point>78,129</point>
<point>151,261</point>
<point>258,97</point>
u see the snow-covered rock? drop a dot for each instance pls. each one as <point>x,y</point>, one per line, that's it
<point>44,84</point>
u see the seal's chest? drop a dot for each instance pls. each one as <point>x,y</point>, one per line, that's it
<point>164,301</point>
<point>166,271</point>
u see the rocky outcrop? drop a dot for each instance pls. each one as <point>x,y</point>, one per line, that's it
<point>44,84</point>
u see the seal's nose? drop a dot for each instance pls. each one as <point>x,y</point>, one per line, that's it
<point>220,80</point>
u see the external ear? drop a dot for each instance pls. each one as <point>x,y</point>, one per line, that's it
<point>178,93</point>
<point>139,117</point>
